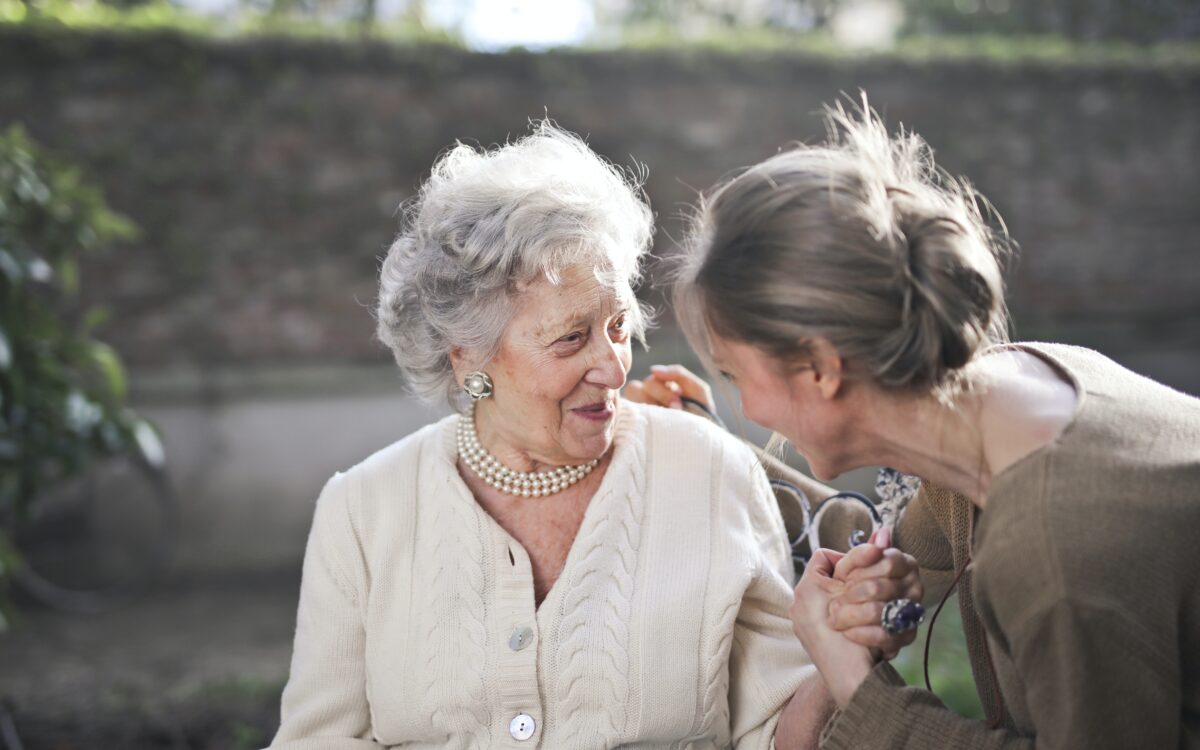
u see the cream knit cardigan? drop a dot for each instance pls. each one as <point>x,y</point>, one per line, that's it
<point>668,627</point>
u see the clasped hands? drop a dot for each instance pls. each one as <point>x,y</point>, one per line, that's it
<point>838,609</point>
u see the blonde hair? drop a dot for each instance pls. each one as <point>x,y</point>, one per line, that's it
<point>861,240</point>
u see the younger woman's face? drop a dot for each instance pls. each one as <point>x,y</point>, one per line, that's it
<point>790,401</point>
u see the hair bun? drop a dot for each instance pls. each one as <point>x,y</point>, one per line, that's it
<point>861,240</point>
<point>951,288</point>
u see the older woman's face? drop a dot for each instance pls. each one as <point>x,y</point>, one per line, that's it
<point>558,375</point>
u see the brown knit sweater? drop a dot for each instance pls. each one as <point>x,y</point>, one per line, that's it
<point>1084,590</point>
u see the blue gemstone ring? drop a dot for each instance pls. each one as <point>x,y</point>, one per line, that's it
<point>901,615</point>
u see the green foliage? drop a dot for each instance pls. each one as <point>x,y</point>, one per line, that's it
<point>648,30</point>
<point>252,18</point>
<point>996,50</point>
<point>156,14</point>
<point>62,392</point>
<point>1141,21</point>
<point>949,666</point>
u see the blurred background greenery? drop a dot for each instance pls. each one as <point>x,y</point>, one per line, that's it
<point>1108,29</point>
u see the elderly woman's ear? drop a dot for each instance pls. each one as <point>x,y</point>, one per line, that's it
<point>457,363</point>
<point>462,364</point>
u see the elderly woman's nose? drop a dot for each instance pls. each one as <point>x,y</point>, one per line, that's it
<point>608,366</point>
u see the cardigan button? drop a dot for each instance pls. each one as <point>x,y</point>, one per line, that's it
<point>520,639</point>
<point>522,727</point>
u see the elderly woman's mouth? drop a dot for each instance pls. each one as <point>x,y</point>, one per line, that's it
<point>600,411</point>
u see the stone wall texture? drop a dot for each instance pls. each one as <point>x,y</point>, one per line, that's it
<point>265,173</point>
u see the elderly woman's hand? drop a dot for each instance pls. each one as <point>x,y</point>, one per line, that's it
<point>667,385</point>
<point>874,574</point>
<point>843,663</point>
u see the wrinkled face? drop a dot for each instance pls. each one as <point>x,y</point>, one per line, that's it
<point>788,402</point>
<point>558,375</point>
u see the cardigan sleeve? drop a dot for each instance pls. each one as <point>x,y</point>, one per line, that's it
<point>885,714</point>
<point>1084,668</point>
<point>325,704</point>
<point>766,661</point>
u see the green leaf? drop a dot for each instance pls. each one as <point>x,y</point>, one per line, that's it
<point>5,351</point>
<point>10,267</point>
<point>149,443</point>
<point>108,364</point>
<point>39,270</point>
<point>94,318</point>
<point>68,276</point>
<point>29,187</point>
<point>10,559</point>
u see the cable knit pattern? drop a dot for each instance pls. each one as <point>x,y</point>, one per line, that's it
<point>667,627</point>
<point>455,635</point>
<point>715,716</point>
<point>594,661</point>
<point>716,702</point>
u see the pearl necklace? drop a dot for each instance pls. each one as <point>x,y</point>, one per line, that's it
<point>522,483</point>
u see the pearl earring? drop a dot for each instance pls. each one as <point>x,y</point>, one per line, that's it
<point>478,385</point>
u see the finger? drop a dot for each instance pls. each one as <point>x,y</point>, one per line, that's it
<point>690,384</point>
<point>658,393</point>
<point>860,557</point>
<point>822,563</point>
<point>882,538</point>
<point>874,636</point>
<point>894,564</point>
<point>879,590</point>
<point>821,577</point>
<point>634,391</point>
<point>845,616</point>
<point>671,385</point>
<point>914,589</point>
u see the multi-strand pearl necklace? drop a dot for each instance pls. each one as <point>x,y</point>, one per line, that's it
<point>522,483</point>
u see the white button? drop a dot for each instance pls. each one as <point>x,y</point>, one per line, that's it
<point>522,727</point>
<point>520,638</point>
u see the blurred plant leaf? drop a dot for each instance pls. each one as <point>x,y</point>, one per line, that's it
<point>10,267</point>
<point>149,443</point>
<point>39,270</point>
<point>68,276</point>
<point>108,363</point>
<point>94,318</point>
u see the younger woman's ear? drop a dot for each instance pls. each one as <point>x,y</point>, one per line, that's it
<point>827,367</point>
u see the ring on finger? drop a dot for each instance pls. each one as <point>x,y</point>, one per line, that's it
<point>901,615</point>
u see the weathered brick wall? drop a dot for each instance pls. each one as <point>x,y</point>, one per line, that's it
<point>265,174</point>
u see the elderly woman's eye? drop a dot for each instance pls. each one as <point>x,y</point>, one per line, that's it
<point>621,327</point>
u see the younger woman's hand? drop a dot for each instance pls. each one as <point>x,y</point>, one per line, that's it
<point>667,385</point>
<point>874,574</point>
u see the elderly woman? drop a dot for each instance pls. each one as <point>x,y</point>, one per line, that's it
<point>852,293</point>
<point>549,566</point>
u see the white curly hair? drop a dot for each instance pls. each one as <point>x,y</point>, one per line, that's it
<point>486,223</point>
